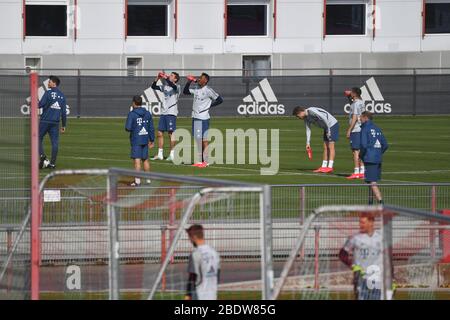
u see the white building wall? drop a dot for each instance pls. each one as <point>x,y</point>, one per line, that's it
<point>201,32</point>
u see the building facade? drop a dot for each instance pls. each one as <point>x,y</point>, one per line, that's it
<point>224,34</point>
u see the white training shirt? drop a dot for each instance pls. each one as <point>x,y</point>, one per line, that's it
<point>205,263</point>
<point>170,103</point>
<point>203,97</point>
<point>321,118</point>
<point>367,250</point>
<point>357,107</point>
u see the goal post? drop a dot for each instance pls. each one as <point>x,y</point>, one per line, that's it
<point>408,254</point>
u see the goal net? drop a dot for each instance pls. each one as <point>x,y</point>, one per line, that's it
<point>341,254</point>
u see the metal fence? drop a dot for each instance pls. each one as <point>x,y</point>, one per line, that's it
<point>81,210</point>
<point>75,232</point>
<point>401,231</point>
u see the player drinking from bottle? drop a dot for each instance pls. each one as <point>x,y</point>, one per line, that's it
<point>169,110</point>
<point>203,269</point>
<point>366,249</point>
<point>323,119</point>
<point>142,135</point>
<point>354,131</point>
<point>204,99</point>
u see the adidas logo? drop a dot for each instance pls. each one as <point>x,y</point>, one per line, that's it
<point>152,100</point>
<point>373,99</point>
<point>377,144</point>
<point>143,132</point>
<point>261,101</point>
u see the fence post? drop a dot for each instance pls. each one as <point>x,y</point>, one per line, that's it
<point>414,104</point>
<point>8,251</point>
<point>78,93</point>
<point>35,194</point>
<point>432,231</point>
<point>266,242</point>
<point>113,231</point>
<point>316,257</point>
<point>172,212</point>
<point>330,92</point>
<point>302,204</point>
<point>387,269</point>
<point>163,255</point>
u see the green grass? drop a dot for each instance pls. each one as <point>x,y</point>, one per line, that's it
<point>419,150</point>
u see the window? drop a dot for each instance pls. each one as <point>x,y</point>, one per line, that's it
<point>32,63</point>
<point>134,66</point>
<point>345,19</point>
<point>256,66</point>
<point>247,20</point>
<point>437,17</point>
<point>46,20</point>
<point>145,18</point>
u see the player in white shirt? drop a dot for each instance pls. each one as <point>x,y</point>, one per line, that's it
<point>203,268</point>
<point>324,120</point>
<point>366,248</point>
<point>357,107</point>
<point>169,110</point>
<point>204,99</point>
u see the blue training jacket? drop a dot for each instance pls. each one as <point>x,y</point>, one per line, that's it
<point>53,103</point>
<point>373,143</point>
<point>140,125</point>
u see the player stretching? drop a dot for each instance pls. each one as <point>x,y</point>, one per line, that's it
<point>353,133</point>
<point>142,135</point>
<point>203,269</point>
<point>366,248</point>
<point>323,119</point>
<point>169,110</point>
<point>204,99</point>
<point>373,145</point>
<point>53,103</point>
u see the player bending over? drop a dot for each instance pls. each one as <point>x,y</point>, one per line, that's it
<point>354,131</point>
<point>373,146</point>
<point>203,269</point>
<point>204,99</point>
<point>169,110</point>
<point>323,119</point>
<point>366,249</point>
<point>142,135</point>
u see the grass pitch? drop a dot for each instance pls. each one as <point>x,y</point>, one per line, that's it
<point>419,150</point>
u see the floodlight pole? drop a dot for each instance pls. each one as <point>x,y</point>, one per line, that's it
<point>266,242</point>
<point>35,195</point>
<point>387,270</point>
<point>113,229</point>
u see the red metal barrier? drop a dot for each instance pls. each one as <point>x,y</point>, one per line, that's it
<point>445,236</point>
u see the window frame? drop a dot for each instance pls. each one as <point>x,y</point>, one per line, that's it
<point>140,71</point>
<point>346,2</point>
<point>47,3</point>
<point>168,21</point>
<point>244,55</point>
<point>424,12</point>
<point>267,5</point>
